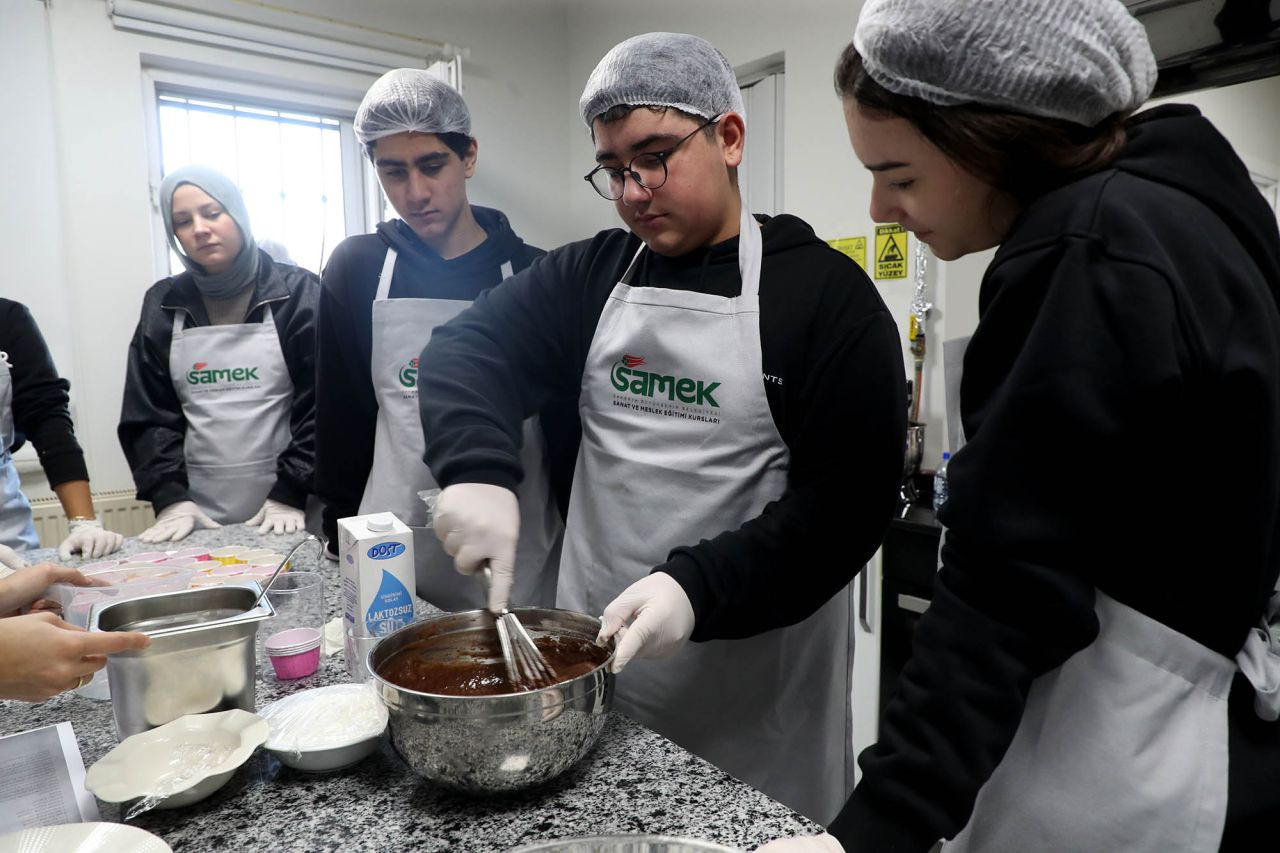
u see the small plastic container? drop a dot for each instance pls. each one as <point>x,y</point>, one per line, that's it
<point>100,566</point>
<point>229,554</point>
<point>269,561</point>
<point>131,574</point>
<point>252,555</point>
<point>201,580</point>
<point>148,557</point>
<point>229,570</point>
<point>294,653</point>
<point>123,583</point>
<point>192,553</point>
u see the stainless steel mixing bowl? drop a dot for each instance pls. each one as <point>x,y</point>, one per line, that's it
<point>494,744</point>
<point>625,844</point>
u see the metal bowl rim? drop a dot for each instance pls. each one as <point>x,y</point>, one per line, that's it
<point>448,699</point>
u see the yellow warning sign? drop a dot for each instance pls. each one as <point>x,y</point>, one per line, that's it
<point>891,251</point>
<point>854,247</point>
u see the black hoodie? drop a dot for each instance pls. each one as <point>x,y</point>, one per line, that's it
<point>1121,399</point>
<point>833,376</point>
<point>346,408</point>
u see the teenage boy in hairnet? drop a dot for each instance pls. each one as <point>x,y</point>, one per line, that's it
<point>742,401</point>
<point>381,296</point>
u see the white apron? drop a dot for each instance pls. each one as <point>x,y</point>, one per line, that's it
<point>236,396</point>
<point>401,329</point>
<point>16,527</point>
<point>678,444</point>
<point>1122,747</point>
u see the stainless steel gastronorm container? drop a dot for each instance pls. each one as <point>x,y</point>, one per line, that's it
<point>494,744</point>
<point>201,656</point>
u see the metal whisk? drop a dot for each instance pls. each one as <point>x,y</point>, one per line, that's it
<point>525,664</point>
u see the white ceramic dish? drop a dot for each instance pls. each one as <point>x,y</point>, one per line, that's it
<point>83,838</point>
<point>184,761</point>
<point>326,728</point>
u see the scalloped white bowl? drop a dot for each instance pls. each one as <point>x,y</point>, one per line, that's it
<point>184,761</point>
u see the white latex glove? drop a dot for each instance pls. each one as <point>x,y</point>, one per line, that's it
<point>823,843</point>
<point>275,517</point>
<point>176,521</point>
<point>10,559</point>
<point>660,617</point>
<point>480,523</point>
<point>89,540</point>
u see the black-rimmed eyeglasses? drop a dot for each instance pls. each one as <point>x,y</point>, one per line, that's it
<point>649,170</point>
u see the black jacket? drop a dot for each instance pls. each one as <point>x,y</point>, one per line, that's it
<point>152,425</point>
<point>346,408</point>
<point>833,376</point>
<point>1121,398</point>
<point>40,398</point>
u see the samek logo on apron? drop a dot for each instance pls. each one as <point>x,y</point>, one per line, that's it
<point>409,374</point>
<point>222,378</point>
<point>667,395</point>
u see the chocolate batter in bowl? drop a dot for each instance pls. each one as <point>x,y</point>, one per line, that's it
<point>458,721</point>
<point>469,663</point>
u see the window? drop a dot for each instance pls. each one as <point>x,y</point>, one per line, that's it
<point>293,154</point>
<point>288,165</point>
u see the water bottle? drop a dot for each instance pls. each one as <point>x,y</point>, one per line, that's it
<point>940,483</point>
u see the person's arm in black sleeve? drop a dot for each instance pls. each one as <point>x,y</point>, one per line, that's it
<point>1014,598</point>
<point>295,466</point>
<point>346,407</point>
<point>517,347</point>
<point>152,426</point>
<point>846,463</point>
<point>40,398</point>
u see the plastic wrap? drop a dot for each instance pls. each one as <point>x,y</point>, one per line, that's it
<point>326,718</point>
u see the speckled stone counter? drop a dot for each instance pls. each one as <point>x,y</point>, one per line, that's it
<point>634,780</point>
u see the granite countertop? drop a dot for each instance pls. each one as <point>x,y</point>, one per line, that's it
<point>633,781</point>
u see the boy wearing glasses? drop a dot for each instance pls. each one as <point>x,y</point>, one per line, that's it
<point>741,393</point>
<point>382,294</point>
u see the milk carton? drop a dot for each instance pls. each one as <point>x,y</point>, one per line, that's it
<point>375,557</point>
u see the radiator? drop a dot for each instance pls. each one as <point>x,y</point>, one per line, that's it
<point>118,510</point>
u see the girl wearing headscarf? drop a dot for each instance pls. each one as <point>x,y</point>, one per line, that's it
<point>1098,669</point>
<point>218,420</point>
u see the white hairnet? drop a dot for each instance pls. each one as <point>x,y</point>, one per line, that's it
<point>410,99</point>
<point>1079,60</point>
<point>663,70</point>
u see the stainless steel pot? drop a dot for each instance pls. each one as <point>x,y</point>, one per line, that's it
<point>494,744</point>
<point>201,656</point>
<point>625,844</point>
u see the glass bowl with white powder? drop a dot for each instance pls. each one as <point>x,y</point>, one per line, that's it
<point>326,728</point>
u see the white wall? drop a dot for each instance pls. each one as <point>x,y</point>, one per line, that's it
<point>78,227</point>
<point>30,196</point>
